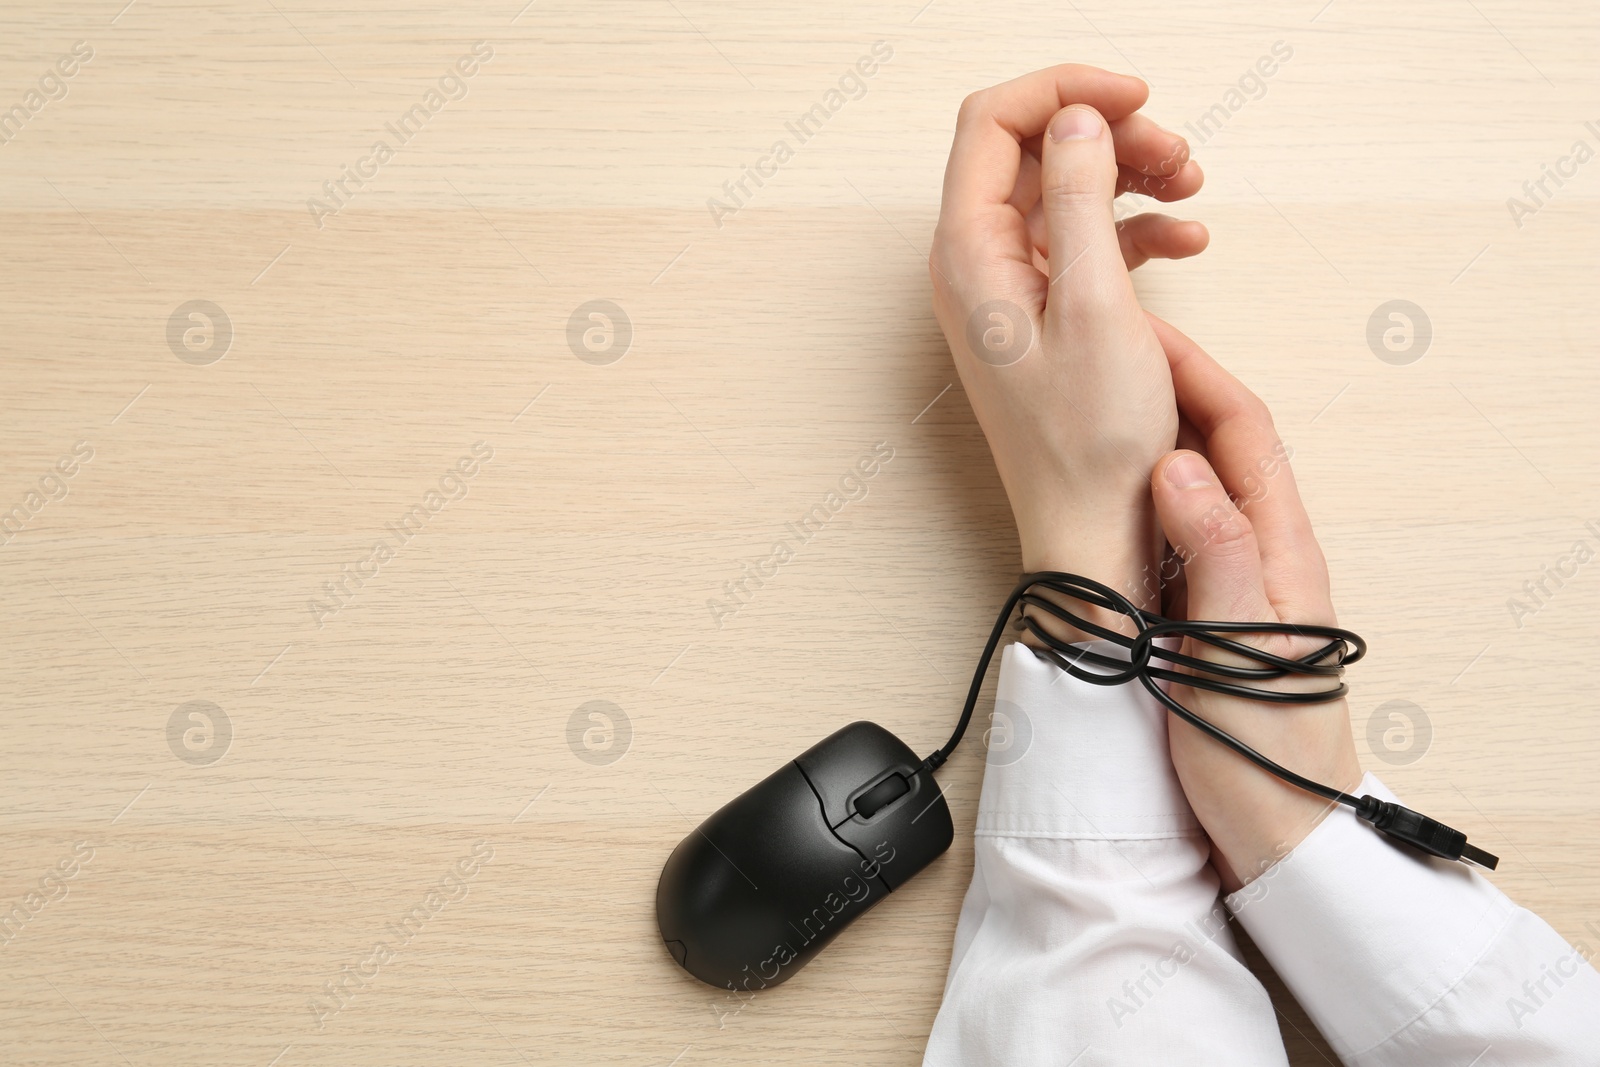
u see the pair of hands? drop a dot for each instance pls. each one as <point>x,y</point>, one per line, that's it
<point>1085,398</point>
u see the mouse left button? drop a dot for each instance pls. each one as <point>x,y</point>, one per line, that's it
<point>758,888</point>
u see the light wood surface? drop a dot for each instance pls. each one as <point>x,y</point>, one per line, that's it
<point>372,749</point>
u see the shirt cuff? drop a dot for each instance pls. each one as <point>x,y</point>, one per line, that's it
<point>1365,931</point>
<point>1070,759</point>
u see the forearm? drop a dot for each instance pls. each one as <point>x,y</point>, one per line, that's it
<point>1408,961</point>
<point>1092,919</point>
<point>1113,537</point>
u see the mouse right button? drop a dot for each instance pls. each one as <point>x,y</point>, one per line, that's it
<point>849,758</point>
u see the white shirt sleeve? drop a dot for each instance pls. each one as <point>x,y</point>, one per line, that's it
<point>1092,935</point>
<point>1403,960</point>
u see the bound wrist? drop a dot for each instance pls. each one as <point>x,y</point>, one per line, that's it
<point>1122,550</point>
<point>1119,564</point>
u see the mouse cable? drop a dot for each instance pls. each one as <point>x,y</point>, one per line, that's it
<point>1343,647</point>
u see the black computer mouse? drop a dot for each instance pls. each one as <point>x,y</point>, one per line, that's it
<point>757,890</point>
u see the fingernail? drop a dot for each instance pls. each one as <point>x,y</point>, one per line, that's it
<point>1075,124</point>
<point>1188,471</point>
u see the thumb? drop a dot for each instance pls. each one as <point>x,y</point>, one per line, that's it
<point>1222,562</point>
<point>1077,184</point>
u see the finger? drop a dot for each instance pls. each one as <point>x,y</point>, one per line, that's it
<point>1144,151</point>
<point>1155,236</point>
<point>1037,233</point>
<point>1142,237</point>
<point>1025,197</point>
<point>1189,437</point>
<point>1147,148</point>
<point>1164,184</point>
<point>987,151</point>
<point>1077,183</point>
<point>1175,597</point>
<point>1253,463</point>
<point>1178,186</point>
<point>1222,565</point>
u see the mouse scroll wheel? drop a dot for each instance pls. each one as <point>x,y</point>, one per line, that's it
<point>882,795</point>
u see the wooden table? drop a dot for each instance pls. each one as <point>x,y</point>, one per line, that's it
<point>365,512</point>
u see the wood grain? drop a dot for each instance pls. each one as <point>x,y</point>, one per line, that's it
<point>439,710</point>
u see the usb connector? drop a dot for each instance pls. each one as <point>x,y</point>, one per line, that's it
<point>1419,831</point>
